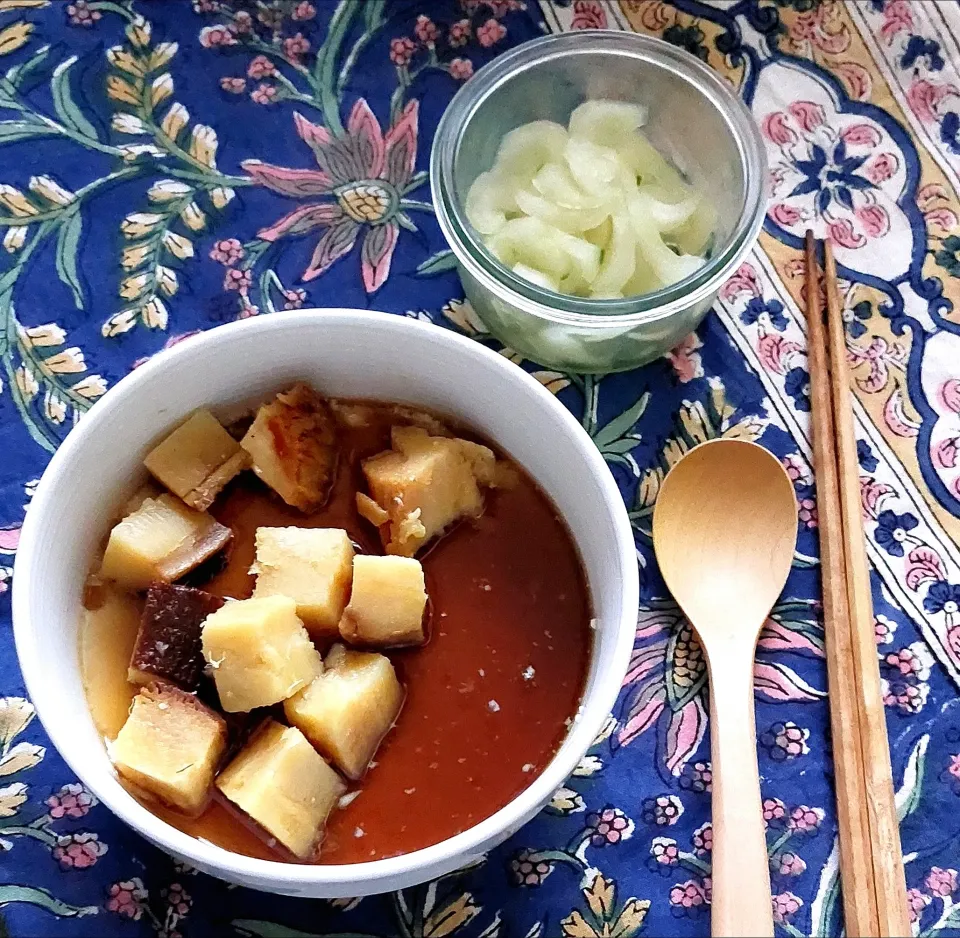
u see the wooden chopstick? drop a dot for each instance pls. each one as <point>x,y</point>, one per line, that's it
<point>856,863</point>
<point>892,912</point>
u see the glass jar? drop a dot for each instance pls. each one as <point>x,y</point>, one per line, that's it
<point>695,120</point>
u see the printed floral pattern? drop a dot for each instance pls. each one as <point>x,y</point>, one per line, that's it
<point>168,170</point>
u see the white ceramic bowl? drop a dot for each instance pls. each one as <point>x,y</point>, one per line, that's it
<point>347,353</point>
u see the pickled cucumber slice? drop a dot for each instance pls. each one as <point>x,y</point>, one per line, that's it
<point>607,122</point>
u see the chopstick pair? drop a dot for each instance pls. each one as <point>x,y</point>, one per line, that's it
<point>871,861</point>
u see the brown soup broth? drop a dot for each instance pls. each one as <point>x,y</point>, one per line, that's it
<point>488,697</point>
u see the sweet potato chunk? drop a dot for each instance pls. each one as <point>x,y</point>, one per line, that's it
<point>197,460</point>
<point>313,566</point>
<point>284,785</point>
<point>348,709</point>
<point>424,484</point>
<point>387,602</point>
<point>293,445</point>
<point>160,542</point>
<point>168,643</point>
<point>170,747</point>
<point>259,652</point>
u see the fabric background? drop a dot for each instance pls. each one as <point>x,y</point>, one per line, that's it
<point>168,166</point>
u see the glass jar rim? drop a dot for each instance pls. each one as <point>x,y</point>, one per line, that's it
<point>473,254</point>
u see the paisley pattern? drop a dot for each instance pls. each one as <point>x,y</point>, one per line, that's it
<point>167,167</point>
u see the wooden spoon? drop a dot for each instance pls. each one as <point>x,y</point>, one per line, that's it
<point>724,531</point>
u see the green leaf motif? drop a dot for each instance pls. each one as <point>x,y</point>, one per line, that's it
<point>44,900</point>
<point>908,795</point>
<point>824,910</point>
<point>66,107</point>
<point>68,242</point>
<point>19,74</point>
<point>12,131</point>
<point>437,264</point>
<point>620,426</point>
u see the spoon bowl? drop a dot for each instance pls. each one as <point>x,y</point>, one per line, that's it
<point>724,531</point>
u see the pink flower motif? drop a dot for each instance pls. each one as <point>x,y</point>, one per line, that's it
<point>294,299</point>
<point>72,801</point>
<point>665,851</point>
<point>703,839</point>
<point>688,895</point>
<point>127,899</point>
<point>805,819</point>
<point>530,868</point>
<point>925,97</point>
<point>743,281</point>
<point>206,6</point>
<point>785,905</point>
<point>905,661</point>
<point>608,827</point>
<point>425,29</point>
<point>297,45</point>
<point>366,172</point>
<point>263,94</point>
<point>788,864</point>
<point>261,67</point>
<point>861,135</point>
<point>490,33</point>
<point>685,359</point>
<point>874,220</point>
<point>949,394</point>
<point>78,851</point>
<point>822,28</point>
<point>797,469</point>
<point>211,37</point>
<point>777,130</point>
<point>954,767</point>
<point>588,14</point>
<point>236,279</point>
<point>233,85</point>
<point>80,14</point>
<point>249,311</point>
<point>807,512</point>
<point>784,215</point>
<point>841,232</point>
<point>777,353</point>
<point>461,69</point>
<point>944,219</point>
<point>807,114</point>
<point>881,168</point>
<point>401,50</point>
<point>228,251</point>
<point>774,810</point>
<point>179,900</point>
<point>917,901</point>
<point>459,33</point>
<point>304,11</point>
<point>945,453</point>
<point>857,79</point>
<point>941,882</point>
<point>896,18</point>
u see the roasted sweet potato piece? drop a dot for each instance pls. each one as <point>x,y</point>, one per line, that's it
<point>170,747</point>
<point>424,484</point>
<point>293,445</point>
<point>168,643</point>
<point>160,541</point>
<point>197,460</point>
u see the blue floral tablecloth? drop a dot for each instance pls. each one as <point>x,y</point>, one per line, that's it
<point>167,166</point>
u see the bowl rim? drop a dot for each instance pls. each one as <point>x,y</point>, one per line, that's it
<point>469,248</point>
<point>370,876</point>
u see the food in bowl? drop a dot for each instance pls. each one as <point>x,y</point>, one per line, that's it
<point>355,648</point>
<point>592,209</point>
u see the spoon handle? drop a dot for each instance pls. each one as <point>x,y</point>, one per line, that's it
<point>741,903</point>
